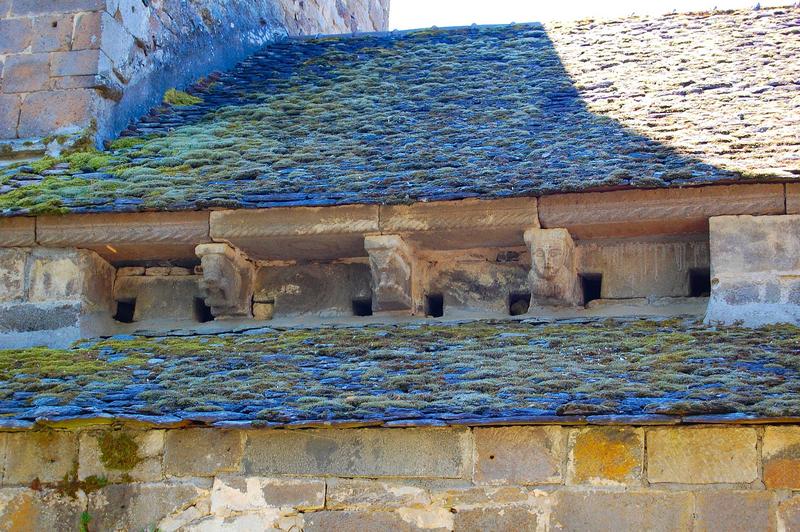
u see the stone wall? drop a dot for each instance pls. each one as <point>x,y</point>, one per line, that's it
<point>65,64</point>
<point>710,477</point>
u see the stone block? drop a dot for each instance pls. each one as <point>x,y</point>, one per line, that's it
<point>10,105</point>
<point>24,509</point>
<point>128,237</point>
<point>101,458</point>
<point>322,289</point>
<point>15,35</point>
<point>3,448</point>
<point>18,231</point>
<point>606,456</point>
<point>52,33</point>
<point>781,457</point>
<point>32,317</point>
<point>429,453</point>
<point>45,113</point>
<point>321,233</point>
<point>45,7</point>
<point>12,273</point>
<point>520,455</point>
<point>372,521</point>
<point>702,455</point>
<point>161,298</point>
<point>755,264</point>
<point>789,514</point>
<point>517,518</point>
<point>734,511</point>
<point>141,506</point>
<point>630,213</point>
<point>641,268</point>
<point>792,198</point>
<point>250,494</point>
<point>117,44</point>
<point>202,452</point>
<point>475,496</point>
<point>46,455</point>
<point>622,510</point>
<point>88,31</point>
<point>461,224</point>
<point>357,494</point>
<point>77,63</point>
<point>71,275</point>
<point>26,73</point>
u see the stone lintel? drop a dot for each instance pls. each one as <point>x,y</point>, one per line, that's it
<point>627,213</point>
<point>17,232</point>
<point>462,224</point>
<point>128,236</point>
<point>391,263</point>
<point>289,233</point>
<point>792,198</point>
<point>227,283</point>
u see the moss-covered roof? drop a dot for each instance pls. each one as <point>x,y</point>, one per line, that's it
<point>484,371</point>
<point>445,114</point>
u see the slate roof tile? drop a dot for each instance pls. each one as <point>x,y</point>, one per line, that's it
<point>455,113</point>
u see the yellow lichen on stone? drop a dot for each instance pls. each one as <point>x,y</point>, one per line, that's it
<point>180,98</point>
<point>606,456</point>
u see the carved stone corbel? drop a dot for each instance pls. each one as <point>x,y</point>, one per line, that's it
<point>553,277</point>
<point>390,260</point>
<point>227,283</point>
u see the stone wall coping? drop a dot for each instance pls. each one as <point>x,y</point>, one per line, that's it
<point>266,233</point>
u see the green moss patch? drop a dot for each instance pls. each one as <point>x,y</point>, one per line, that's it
<point>118,450</point>
<point>180,98</point>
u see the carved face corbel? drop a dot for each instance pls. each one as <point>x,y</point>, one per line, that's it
<point>390,263</point>
<point>227,282</point>
<point>553,277</point>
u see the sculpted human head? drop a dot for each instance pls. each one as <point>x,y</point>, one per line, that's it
<point>550,255</point>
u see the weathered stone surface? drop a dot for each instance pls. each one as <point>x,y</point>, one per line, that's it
<point>789,514</point>
<point>628,510</point>
<point>269,519</point>
<point>227,281</point>
<point>75,63</point>
<point>359,453</point>
<point>297,233</point>
<point>646,212</point>
<point>372,521</point>
<point>461,224</point>
<point>46,455</point>
<point>524,455</point>
<point>517,518</point>
<point>149,449</point>
<point>23,509</point>
<point>702,455</point>
<point>45,317</point>
<point>202,452</point>
<point>781,457</point>
<point>643,268</point>
<point>51,33</point>
<point>3,449</point>
<point>734,511</point>
<point>87,31</point>
<point>160,298</point>
<point>77,275</point>
<point>10,105</point>
<point>475,496</point>
<point>12,273</point>
<point>356,494</point>
<point>250,494</point>
<point>391,261</point>
<point>140,506</point>
<point>50,112</point>
<point>792,198</point>
<point>312,288</point>
<point>606,456</point>
<point>15,35</point>
<point>553,277</point>
<point>755,263</point>
<point>44,7</point>
<point>128,237</point>
<point>26,72</point>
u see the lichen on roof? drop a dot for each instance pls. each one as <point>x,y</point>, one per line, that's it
<point>426,373</point>
<point>444,114</point>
